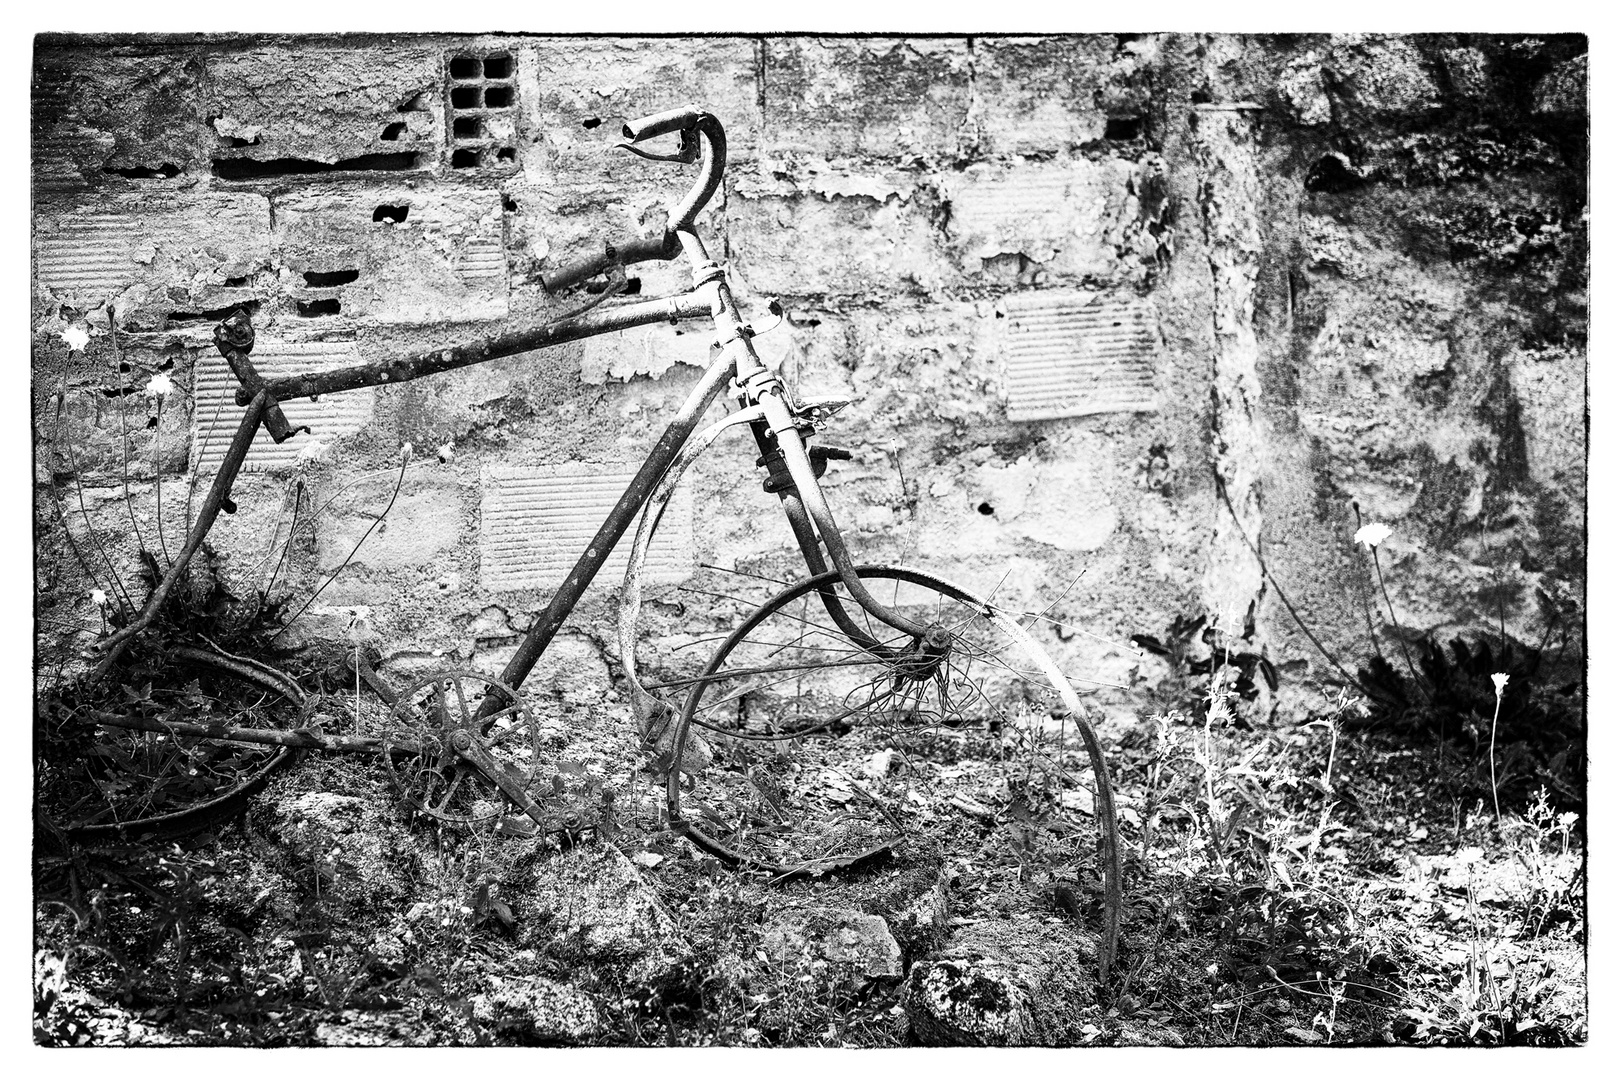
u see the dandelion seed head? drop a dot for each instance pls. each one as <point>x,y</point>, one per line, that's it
<point>77,337</point>
<point>98,597</point>
<point>1500,679</point>
<point>1373,533</point>
<point>159,385</point>
<point>447,452</point>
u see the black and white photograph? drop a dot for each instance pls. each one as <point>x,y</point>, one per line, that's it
<point>807,539</point>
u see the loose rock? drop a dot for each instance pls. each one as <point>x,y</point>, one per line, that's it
<point>539,1011</point>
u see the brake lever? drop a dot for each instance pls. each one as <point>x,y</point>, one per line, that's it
<point>686,155</point>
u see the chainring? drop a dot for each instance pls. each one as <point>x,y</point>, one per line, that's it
<point>423,764</point>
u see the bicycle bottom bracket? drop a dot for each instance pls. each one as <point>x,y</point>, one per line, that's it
<point>454,740</point>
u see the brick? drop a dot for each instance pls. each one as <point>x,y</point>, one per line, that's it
<point>444,262</point>
<point>1039,95</point>
<point>101,429</point>
<point>567,82</point>
<point>790,243</point>
<point>1077,354</point>
<point>329,419</point>
<point>537,520</point>
<point>1076,219</point>
<point>176,246</point>
<point>882,97</point>
<point>329,104</point>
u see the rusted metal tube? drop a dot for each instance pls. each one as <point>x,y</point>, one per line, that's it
<point>297,740</point>
<point>406,368</point>
<point>241,442</point>
<point>618,520</point>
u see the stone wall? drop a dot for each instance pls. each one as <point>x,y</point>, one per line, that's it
<point>1078,287</point>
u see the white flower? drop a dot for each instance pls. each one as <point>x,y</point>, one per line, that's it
<point>447,452</point>
<point>1500,679</point>
<point>159,385</point>
<point>1372,534</point>
<point>311,452</point>
<point>405,453</point>
<point>98,598</point>
<point>77,337</point>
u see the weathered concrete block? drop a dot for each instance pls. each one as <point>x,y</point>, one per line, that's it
<point>330,419</point>
<point>1078,353</point>
<point>788,243</point>
<point>883,97</point>
<point>390,254</point>
<point>342,103</point>
<point>1039,95</point>
<point>1076,219</point>
<point>603,82</point>
<point>537,520</point>
<point>112,425</point>
<point>166,248</point>
<point>102,116</point>
<point>426,521</point>
<point>645,350</point>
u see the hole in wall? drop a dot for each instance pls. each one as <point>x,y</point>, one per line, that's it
<point>986,509</point>
<point>414,103</point>
<point>464,97</point>
<point>236,282</point>
<point>464,159</point>
<point>395,214</point>
<point>236,142</point>
<point>1200,97</point>
<point>468,127</point>
<point>506,153</point>
<point>326,279</point>
<point>311,309</point>
<point>591,123</point>
<point>1123,127</point>
<point>497,67</point>
<point>248,169</point>
<point>1330,175</point>
<point>464,67</point>
<point>393,131</point>
<point>212,314</point>
<point>166,171</point>
<point>509,204</point>
<point>497,97</point>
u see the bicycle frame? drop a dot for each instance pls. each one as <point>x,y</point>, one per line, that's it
<point>775,427</point>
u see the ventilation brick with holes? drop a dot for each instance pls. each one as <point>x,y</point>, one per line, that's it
<point>483,111</point>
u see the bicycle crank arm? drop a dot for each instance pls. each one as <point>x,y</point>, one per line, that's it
<point>496,772</point>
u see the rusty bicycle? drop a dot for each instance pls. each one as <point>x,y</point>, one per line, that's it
<point>763,749</point>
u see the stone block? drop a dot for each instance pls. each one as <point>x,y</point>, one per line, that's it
<point>1563,92</point>
<point>1381,75</point>
<point>168,248</point>
<point>878,97</point>
<point>857,946</point>
<point>280,110</point>
<point>539,1012</point>
<point>393,254</point>
<point>538,520</point>
<point>1039,95</point>
<point>112,426</point>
